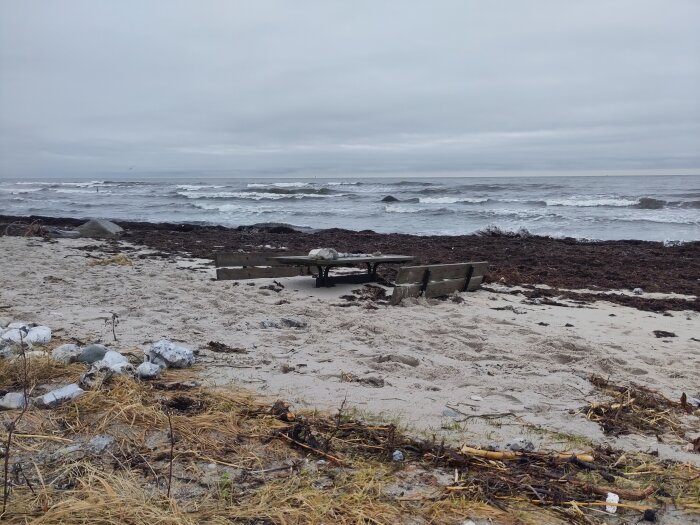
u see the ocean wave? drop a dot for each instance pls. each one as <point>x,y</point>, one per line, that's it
<point>299,191</point>
<point>252,195</point>
<point>195,187</point>
<point>409,183</point>
<point>424,211</point>
<point>591,203</point>
<point>82,190</point>
<point>346,183</point>
<point>690,204</point>
<point>279,184</point>
<point>451,200</point>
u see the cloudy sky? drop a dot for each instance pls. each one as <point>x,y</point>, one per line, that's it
<point>338,87</point>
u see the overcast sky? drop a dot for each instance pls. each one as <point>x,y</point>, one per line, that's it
<point>329,87</point>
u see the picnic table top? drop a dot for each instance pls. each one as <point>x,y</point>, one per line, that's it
<point>305,259</point>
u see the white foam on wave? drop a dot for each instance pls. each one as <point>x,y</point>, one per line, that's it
<point>279,185</point>
<point>195,187</point>
<point>450,200</point>
<point>252,195</point>
<point>590,203</point>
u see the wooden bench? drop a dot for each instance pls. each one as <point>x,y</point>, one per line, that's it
<point>437,280</point>
<point>240,265</point>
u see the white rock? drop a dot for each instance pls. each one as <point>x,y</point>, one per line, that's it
<point>4,321</point>
<point>637,291</point>
<point>148,370</point>
<point>116,362</point>
<point>169,355</point>
<point>12,401</point>
<point>324,253</point>
<point>614,499</point>
<point>19,324</point>
<point>66,354</point>
<point>60,395</point>
<point>13,334</point>
<point>99,228</point>
<point>39,335</point>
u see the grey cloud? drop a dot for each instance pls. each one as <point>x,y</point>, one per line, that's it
<point>324,87</point>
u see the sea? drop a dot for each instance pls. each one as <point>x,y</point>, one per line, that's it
<point>659,208</point>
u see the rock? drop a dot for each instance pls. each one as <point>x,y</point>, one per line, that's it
<point>116,362</point>
<point>637,291</point>
<point>99,444</point>
<point>14,335</point>
<point>19,324</point>
<point>292,323</point>
<point>39,335</point>
<point>6,352</point>
<point>4,322</point>
<point>63,234</point>
<point>448,412</point>
<point>520,445</point>
<point>282,323</point>
<point>169,355</point>
<point>99,228</point>
<point>12,401</point>
<point>60,395</point>
<point>405,359</point>
<point>95,377</point>
<point>324,253</point>
<point>663,333</point>
<point>92,353</point>
<point>148,370</point>
<point>66,354</point>
<point>390,198</point>
<point>397,455</point>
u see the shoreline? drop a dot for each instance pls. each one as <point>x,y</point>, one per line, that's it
<point>570,268</point>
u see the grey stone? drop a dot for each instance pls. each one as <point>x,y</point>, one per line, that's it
<point>405,359</point>
<point>397,455</point>
<point>4,321</point>
<point>282,323</point>
<point>148,370</point>
<point>637,291</point>
<point>92,353</point>
<point>448,412</point>
<point>99,228</point>
<point>60,395</point>
<point>169,355</point>
<point>66,354</point>
<point>390,198</point>
<point>12,401</point>
<point>99,444</point>
<point>63,234</point>
<point>520,444</point>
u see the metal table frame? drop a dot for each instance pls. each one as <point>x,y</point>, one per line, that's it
<point>324,266</point>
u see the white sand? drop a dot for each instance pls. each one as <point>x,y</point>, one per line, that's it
<point>473,358</point>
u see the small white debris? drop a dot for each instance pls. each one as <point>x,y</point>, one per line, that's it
<point>614,499</point>
<point>476,398</point>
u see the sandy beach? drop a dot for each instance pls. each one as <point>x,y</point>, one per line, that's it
<point>480,368</point>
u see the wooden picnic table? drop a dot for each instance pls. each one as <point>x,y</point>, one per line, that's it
<point>324,266</point>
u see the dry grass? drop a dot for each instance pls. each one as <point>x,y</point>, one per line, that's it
<point>239,458</point>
